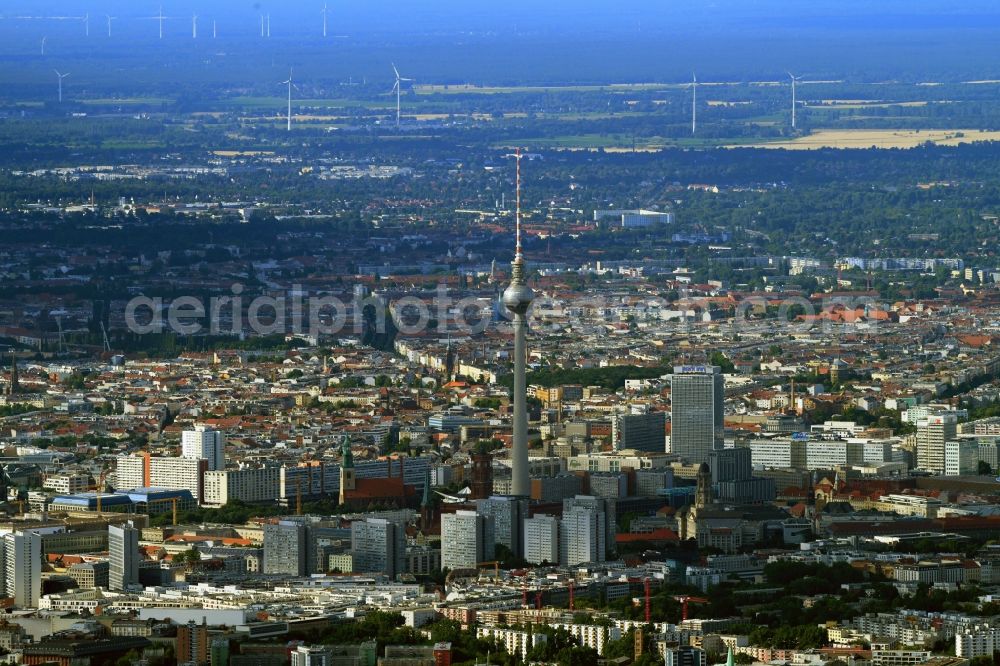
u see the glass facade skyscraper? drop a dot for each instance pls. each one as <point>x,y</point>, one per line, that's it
<point>697,424</point>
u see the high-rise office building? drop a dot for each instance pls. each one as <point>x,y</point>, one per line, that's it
<point>246,484</point>
<point>732,472</point>
<point>507,512</point>
<point>322,541</point>
<point>731,464</point>
<point>89,575</point>
<point>582,536</point>
<point>603,505</point>
<point>608,484</point>
<point>697,424</point>
<point>123,558</point>
<point>378,546</point>
<point>285,545</point>
<point>206,444</point>
<point>932,433</point>
<point>131,472</point>
<point>218,651</point>
<point>556,488</point>
<point>192,644</point>
<point>466,539</point>
<point>684,655</point>
<point>22,567</point>
<point>642,432</point>
<point>541,539</point>
<point>961,457</point>
<point>650,482</point>
<point>312,655</point>
<point>145,471</point>
<point>989,452</point>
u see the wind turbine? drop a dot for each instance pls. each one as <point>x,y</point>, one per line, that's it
<point>159,16</point>
<point>61,77</point>
<point>194,26</point>
<point>397,88</point>
<point>794,79</point>
<point>290,86</point>
<point>694,103</point>
<point>324,13</point>
<point>110,19</point>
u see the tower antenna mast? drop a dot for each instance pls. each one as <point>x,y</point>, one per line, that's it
<point>517,216</point>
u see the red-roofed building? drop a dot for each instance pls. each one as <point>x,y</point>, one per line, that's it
<point>659,537</point>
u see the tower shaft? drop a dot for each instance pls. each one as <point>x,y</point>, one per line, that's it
<point>520,484</point>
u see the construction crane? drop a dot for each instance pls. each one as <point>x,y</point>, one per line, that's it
<point>104,332</point>
<point>173,502</point>
<point>685,600</point>
<point>645,589</point>
<point>100,487</point>
<point>645,594</point>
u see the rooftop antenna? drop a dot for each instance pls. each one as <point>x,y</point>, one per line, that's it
<point>694,103</point>
<point>290,86</point>
<point>194,26</point>
<point>397,88</point>
<point>61,77</point>
<point>43,45</point>
<point>794,80</point>
<point>324,13</point>
<point>110,19</point>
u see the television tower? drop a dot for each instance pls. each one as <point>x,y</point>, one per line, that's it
<point>517,297</point>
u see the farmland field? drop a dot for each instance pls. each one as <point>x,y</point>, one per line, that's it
<point>866,138</point>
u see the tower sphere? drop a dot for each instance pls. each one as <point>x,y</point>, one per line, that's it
<point>518,297</point>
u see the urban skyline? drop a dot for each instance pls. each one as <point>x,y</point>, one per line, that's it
<point>450,334</point>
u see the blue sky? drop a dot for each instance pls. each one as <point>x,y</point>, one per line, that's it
<point>559,16</point>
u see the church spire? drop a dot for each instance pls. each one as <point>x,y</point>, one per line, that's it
<point>13,388</point>
<point>703,492</point>
<point>449,361</point>
<point>347,482</point>
<point>426,509</point>
<point>347,457</point>
<point>425,500</point>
